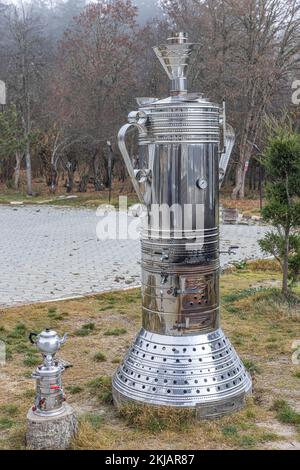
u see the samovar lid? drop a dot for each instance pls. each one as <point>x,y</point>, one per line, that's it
<point>48,333</point>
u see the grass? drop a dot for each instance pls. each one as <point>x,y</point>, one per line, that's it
<point>6,423</point>
<point>264,320</point>
<point>74,389</point>
<point>243,294</point>
<point>115,332</point>
<point>88,200</point>
<point>9,410</point>
<point>18,332</point>
<point>101,388</point>
<point>94,420</point>
<point>100,357</point>
<point>230,431</point>
<point>55,315</point>
<point>154,420</point>
<point>251,366</point>
<point>32,360</point>
<point>285,413</point>
<point>118,360</point>
<point>85,330</point>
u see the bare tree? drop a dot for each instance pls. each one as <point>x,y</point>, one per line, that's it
<point>25,65</point>
<point>96,78</point>
<point>248,50</point>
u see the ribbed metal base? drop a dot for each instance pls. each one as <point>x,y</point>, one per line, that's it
<point>201,372</point>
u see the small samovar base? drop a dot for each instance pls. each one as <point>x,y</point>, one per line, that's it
<point>201,372</point>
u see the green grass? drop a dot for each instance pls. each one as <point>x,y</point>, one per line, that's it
<point>101,387</point>
<point>74,389</point>
<point>94,420</point>
<point>100,357</point>
<point>9,410</point>
<point>251,366</point>
<point>29,394</point>
<point>85,330</point>
<point>230,431</point>
<point>247,441</point>
<point>240,265</point>
<point>6,423</point>
<point>22,347</point>
<point>88,200</point>
<point>285,413</point>
<point>233,310</point>
<point>242,294</point>
<point>53,314</point>
<point>297,374</point>
<point>20,331</point>
<point>115,332</point>
<point>31,360</point>
<point>116,360</point>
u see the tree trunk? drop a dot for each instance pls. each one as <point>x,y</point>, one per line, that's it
<point>19,158</point>
<point>53,178</point>
<point>240,178</point>
<point>285,289</point>
<point>83,184</point>
<point>28,171</point>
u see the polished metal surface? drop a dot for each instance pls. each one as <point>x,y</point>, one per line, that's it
<point>175,57</point>
<point>181,357</point>
<point>49,400</point>
<point>183,372</point>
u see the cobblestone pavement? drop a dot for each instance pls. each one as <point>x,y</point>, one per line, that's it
<point>49,253</point>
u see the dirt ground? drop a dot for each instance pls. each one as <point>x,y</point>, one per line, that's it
<point>261,325</point>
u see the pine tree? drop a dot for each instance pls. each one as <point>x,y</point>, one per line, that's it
<point>282,164</point>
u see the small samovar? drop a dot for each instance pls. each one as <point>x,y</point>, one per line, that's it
<point>50,396</point>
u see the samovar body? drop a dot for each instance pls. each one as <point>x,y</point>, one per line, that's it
<point>181,357</point>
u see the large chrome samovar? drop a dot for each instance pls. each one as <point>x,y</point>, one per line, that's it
<point>181,357</point>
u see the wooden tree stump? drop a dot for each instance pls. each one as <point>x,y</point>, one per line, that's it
<point>51,433</point>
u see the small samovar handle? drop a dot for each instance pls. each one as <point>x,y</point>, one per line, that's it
<point>136,120</point>
<point>31,336</point>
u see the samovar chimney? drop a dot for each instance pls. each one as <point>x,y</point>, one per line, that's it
<point>176,57</point>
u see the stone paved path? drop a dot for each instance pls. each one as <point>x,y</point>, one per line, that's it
<point>49,253</point>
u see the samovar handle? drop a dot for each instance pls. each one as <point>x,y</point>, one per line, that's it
<point>136,120</point>
<point>228,144</point>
